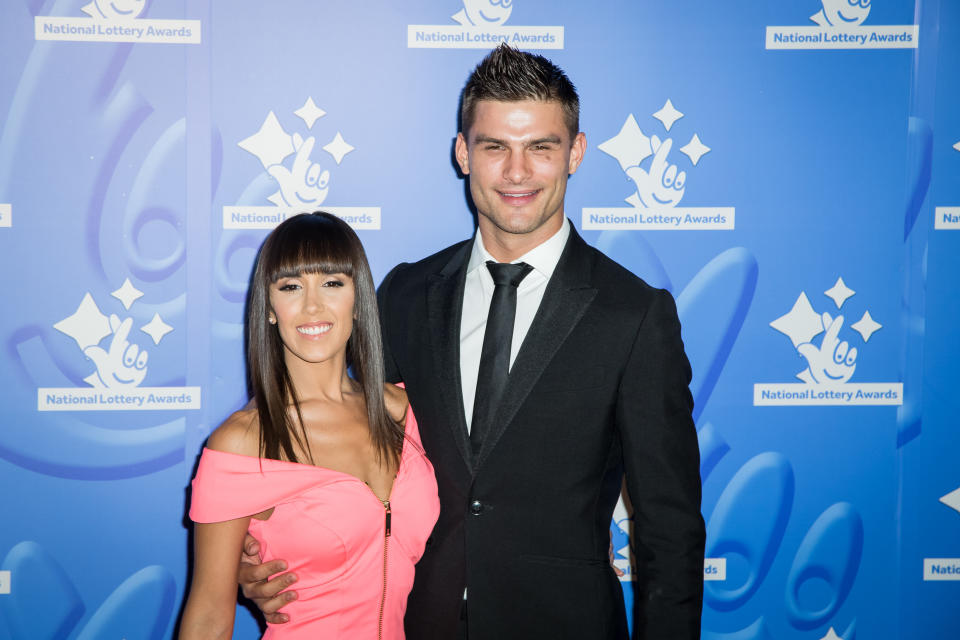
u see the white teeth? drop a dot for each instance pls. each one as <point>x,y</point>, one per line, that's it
<point>518,195</point>
<point>314,331</point>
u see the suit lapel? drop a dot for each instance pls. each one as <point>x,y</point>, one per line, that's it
<point>444,309</point>
<point>567,297</point>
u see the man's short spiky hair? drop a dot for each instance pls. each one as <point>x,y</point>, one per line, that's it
<point>510,75</point>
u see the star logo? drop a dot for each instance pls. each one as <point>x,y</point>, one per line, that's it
<point>630,147</point>
<point>660,182</point>
<point>127,294</point>
<point>271,144</point>
<point>107,342</point>
<point>839,292</point>
<point>309,113</point>
<point>866,326</point>
<point>694,149</point>
<point>338,148</point>
<point>667,115</point>
<point>833,359</point>
<point>87,326</point>
<point>801,324</point>
<point>156,328</point>
<point>303,182</point>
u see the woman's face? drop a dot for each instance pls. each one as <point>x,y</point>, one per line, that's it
<point>314,314</point>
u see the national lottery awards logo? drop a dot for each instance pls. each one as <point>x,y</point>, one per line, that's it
<point>116,21</point>
<point>714,569</point>
<point>481,24</point>
<point>840,25</point>
<point>119,360</point>
<point>301,172</point>
<point>830,354</point>
<point>651,167</point>
<point>946,217</point>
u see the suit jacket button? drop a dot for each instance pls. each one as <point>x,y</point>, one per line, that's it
<point>476,507</point>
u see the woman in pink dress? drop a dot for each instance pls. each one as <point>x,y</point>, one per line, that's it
<point>325,470</point>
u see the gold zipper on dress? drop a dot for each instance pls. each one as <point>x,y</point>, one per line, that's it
<point>383,593</point>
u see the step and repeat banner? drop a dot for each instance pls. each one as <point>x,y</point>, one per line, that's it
<point>790,171</point>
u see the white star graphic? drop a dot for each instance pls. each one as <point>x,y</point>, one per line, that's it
<point>668,115</point>
<point>831,635</point>
<point>952,499</point>
<point>127,293</point>
<point>88,326</point>
<point>801,324</point>
<point>695,149</point>
<point>866,326</point>
<point>630,146</point>
<point>271,144</point>
<point>156,328</point>
<point>957,146</point>
<point>338,148</point>
<point>839,292</point>
<point>309,113</point>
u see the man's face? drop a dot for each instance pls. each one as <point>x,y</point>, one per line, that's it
<point>518,156</point>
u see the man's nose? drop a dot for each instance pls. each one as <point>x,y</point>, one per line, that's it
<point>517,168</point>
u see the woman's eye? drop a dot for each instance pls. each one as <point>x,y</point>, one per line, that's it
<point>333,283</point>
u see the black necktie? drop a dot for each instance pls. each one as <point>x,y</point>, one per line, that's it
<point>495,354</point>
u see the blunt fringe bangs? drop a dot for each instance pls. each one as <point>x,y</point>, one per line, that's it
<point>310,244</point>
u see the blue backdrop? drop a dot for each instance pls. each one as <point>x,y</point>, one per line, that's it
<point>789,170</point>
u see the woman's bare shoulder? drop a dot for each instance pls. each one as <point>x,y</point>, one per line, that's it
<point>240,434</point>
<point>396,401</point>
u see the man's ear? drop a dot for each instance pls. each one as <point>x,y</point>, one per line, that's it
<point>463,156</point>
<point>577,149</point>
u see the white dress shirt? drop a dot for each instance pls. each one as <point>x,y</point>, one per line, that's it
<point>477,293</point>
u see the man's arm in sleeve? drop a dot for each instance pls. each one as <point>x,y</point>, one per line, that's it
<point>391,371</point>
<point>662,465</point>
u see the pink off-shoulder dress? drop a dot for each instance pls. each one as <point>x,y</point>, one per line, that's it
<point>353,558</point>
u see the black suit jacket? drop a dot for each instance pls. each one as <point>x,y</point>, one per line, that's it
<point>598,389</point>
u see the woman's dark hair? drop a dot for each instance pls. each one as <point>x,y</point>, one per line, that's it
<point>314,243</point>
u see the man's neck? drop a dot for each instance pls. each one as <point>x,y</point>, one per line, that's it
<point>507,247</point>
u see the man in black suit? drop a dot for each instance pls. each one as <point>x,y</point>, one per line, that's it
<point>597,390</point>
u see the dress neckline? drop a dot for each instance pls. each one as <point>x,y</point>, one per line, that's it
<point>272,461</point>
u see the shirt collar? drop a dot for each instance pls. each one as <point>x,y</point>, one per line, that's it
<point>543,257</point>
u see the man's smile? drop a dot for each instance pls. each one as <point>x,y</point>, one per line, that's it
<point>519,197</point>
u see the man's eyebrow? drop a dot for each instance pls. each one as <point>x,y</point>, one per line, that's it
<point>485,139</point>
<point>481,139</point>
<point>545,140</point>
